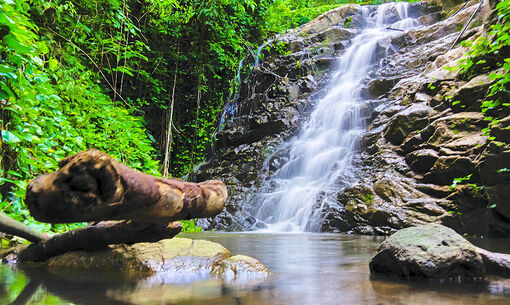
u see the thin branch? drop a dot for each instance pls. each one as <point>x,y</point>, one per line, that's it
<point>95,64</point>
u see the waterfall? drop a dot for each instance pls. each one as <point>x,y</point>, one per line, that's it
<point>259,51</point>
<point>320,156</point>
<point>230,108</point>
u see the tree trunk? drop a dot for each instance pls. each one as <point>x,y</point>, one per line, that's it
<point>11,226</point>
<point>92,186</point>
<point>195,133</point>
<point>98,237</point>
<point>169,137</point>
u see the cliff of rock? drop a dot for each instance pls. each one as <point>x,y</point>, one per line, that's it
<point>424,127</point>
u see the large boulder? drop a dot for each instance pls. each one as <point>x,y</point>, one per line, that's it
<point>428,251</point>
<point>177,257</point>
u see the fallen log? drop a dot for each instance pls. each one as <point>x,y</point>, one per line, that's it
<point>99,236</point>
<point>11,226</point>
<point>92,186</point>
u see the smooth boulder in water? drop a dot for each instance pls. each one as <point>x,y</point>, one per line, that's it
<point>428,251</point>
<point>169,260</point>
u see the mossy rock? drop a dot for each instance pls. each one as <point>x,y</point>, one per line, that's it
<point>428,251</point>
<point>145,259</point>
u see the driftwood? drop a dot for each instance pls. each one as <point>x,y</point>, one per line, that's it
<point>98,237</point>
<point>11,226</point>
<point>92,186</point>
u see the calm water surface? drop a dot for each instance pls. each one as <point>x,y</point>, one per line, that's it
<point>306,269</point>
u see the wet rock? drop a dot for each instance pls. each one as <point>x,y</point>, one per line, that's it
<point>422,160</point>
<point>381,86</point>
<point>144,259</point>
<point>447,168</point>
<point>428,251</point>
<point>390,190</point>
<point>495,263</point>
<point>240,267</point>
<point>329,19</point>
<point>334,35</point>
<point>411,143</point>
<point>438,191</point>
<point>324,63</point>
<point>430,18</point>
<point>469,95</point>
<point>501,131</point>
<point>445,4</point>
<point>494,171</point>
<point>413,118</point>
<point>177,256</point>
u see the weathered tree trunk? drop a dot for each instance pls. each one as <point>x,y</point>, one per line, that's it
<point>98,237</point>
<point>11,226</point>
<point>92,186</point>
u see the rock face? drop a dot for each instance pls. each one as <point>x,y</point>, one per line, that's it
<point>436,252</point>
<point>272,104</point>
<point>429,251</point>
<point>168,257</point>
<point>424,128</point>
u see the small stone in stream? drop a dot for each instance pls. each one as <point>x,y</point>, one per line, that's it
<point>240,267</point>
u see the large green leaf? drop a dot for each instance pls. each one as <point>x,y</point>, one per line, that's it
<point>9,138</point>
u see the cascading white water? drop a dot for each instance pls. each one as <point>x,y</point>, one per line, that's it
<point>321,154</point>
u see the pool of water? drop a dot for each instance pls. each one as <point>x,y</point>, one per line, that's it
<point>306,269</point>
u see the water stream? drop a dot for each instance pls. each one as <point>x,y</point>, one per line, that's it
<point>320,156</point>
<point>306,268</point>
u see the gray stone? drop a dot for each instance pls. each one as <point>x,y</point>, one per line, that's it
<point>422,160</point>
<point>413,118</point>
<point>428,251</point>
<point>447,168</point>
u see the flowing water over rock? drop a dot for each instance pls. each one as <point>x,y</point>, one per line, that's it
<point>319,146</point>
<point>320,156</point>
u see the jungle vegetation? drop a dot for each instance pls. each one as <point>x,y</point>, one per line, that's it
<point>143,80</point>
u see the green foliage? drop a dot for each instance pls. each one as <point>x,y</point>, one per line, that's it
<point>488,53</point>
<point>347,22</point>
<point>52,102</point>
<point>367,198</point>
<point>191,226</point>
<point>282,15</point>
<point>201,43</point>
<point>80,74</point>
<point>460,180</point>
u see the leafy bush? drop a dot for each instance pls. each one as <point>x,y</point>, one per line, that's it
<point>488,53</point>
<point>53,106</point>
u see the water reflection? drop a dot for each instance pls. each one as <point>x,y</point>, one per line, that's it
<point>306,269</point>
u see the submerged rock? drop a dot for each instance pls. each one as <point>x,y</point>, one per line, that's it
<point>436,252</point>
<point>165,260</point>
